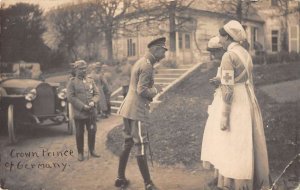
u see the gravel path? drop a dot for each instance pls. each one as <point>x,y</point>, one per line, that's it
<point>93,173</point>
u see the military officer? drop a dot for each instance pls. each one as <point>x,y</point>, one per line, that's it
<point>83,95</point>
<point>135,112</point>
<point>94,72</point>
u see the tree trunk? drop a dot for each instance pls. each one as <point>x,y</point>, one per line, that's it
<point>108,43</point>
<point>239,11</point>
<point>172,32</point>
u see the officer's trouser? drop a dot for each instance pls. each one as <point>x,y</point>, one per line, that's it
<point>80,123</point>
<point>135,131</point>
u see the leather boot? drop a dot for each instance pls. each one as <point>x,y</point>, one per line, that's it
<point>80,157</point>
<point>91,143</point>
<point>124,158</point>
<point>143,166</point>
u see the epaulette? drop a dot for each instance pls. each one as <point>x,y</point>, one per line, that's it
<point>89,79</point>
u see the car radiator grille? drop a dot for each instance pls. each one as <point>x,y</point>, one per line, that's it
<point>44,104</point>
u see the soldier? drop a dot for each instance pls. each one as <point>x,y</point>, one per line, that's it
<point>83,95</point>
<point>94,73</point>
<point>106,78</point>
<point>135,112</point>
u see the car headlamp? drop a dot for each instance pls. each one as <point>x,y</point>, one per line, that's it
<point>62,94</point>
<point>28,105</point>
<point>31,95</point>
<point>63,103</point>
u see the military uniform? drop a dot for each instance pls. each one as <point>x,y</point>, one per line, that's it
<point>105,77</point>
<point>98,78</point>
<point>135,112</point>
<point>80,93</point>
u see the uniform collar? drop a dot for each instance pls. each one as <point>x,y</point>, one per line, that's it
<point>149,56</point>
<point>232,45</point>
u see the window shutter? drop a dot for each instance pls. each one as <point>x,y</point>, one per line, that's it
<point>294,38</point>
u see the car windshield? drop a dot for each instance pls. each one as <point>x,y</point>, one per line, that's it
<point>21,70</point>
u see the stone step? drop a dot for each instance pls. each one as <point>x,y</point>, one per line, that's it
<point>116,103</point>
<point>162,83</point>
<point>171,71</point>
<point>119,98</point>
<point>114,109</point>
<point>167,75</point>
<point>167,80</point>
<point>186,66</point>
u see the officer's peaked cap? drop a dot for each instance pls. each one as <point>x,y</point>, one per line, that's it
<point>98,64</point>
<point>158,42</point>
<point>80,64</point>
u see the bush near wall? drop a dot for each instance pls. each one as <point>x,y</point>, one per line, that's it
<point>280,57</point>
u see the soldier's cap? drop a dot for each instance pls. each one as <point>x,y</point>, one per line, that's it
<point>80,64</point>
<point>158,42</point>
<point>214,43</point>
<point>98,65</point>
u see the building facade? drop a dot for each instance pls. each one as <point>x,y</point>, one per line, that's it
<point>264,24</point>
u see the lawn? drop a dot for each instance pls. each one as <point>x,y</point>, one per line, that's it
<point>178,123</point>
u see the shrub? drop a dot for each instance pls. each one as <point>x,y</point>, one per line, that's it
<point>282,57</point>
<point>294,56</point>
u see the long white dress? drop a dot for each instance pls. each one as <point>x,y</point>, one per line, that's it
<point>239,153</point>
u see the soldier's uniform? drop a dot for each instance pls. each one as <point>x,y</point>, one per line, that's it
<point>135,113</point>
<point>98,78</point>
<point>82,93</point>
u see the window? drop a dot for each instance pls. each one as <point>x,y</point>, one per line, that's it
<point>254,34</point>
<point>187,41</point>
<point>275,36</point>
<point>294,39</point>
<point>180,40</point>
<point>130,48</point>
<point>274,2</point>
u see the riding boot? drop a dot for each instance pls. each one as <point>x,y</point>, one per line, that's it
<point>124,158</point>
<point>143,166</point>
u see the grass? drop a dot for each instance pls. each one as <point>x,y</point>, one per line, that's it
<point>178,123</point>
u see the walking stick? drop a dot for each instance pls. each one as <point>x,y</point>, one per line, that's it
<point>150,152</point>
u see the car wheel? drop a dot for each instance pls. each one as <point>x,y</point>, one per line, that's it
<point>71,122</point>
<point>3,122</point>
<point>10,124</point>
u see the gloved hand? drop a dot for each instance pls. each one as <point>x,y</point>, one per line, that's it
<point>215,82</point>
<point>86,108</point>
<point>225,122</point>
<point>159,88</point>
<point>92,104</point>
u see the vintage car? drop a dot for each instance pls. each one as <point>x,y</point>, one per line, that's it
<point>30,102</point>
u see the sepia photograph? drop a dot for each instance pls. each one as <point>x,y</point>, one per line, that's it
<point>150,94</point>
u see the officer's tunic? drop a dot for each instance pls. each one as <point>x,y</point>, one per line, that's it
<point>80,92</point>
<point>141,91</point>
<point>99,83</point>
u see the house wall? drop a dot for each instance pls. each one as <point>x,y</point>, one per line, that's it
<point>202,27</point>
<point>273,21</point>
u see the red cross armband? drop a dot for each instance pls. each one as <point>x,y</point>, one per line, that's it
<point>227,77</point>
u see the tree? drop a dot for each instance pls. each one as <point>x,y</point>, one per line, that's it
<point>156,12</point>
<point>237,8</point>
<point>109,14</point>
<point>21,31</point>
<point>64,26</point>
